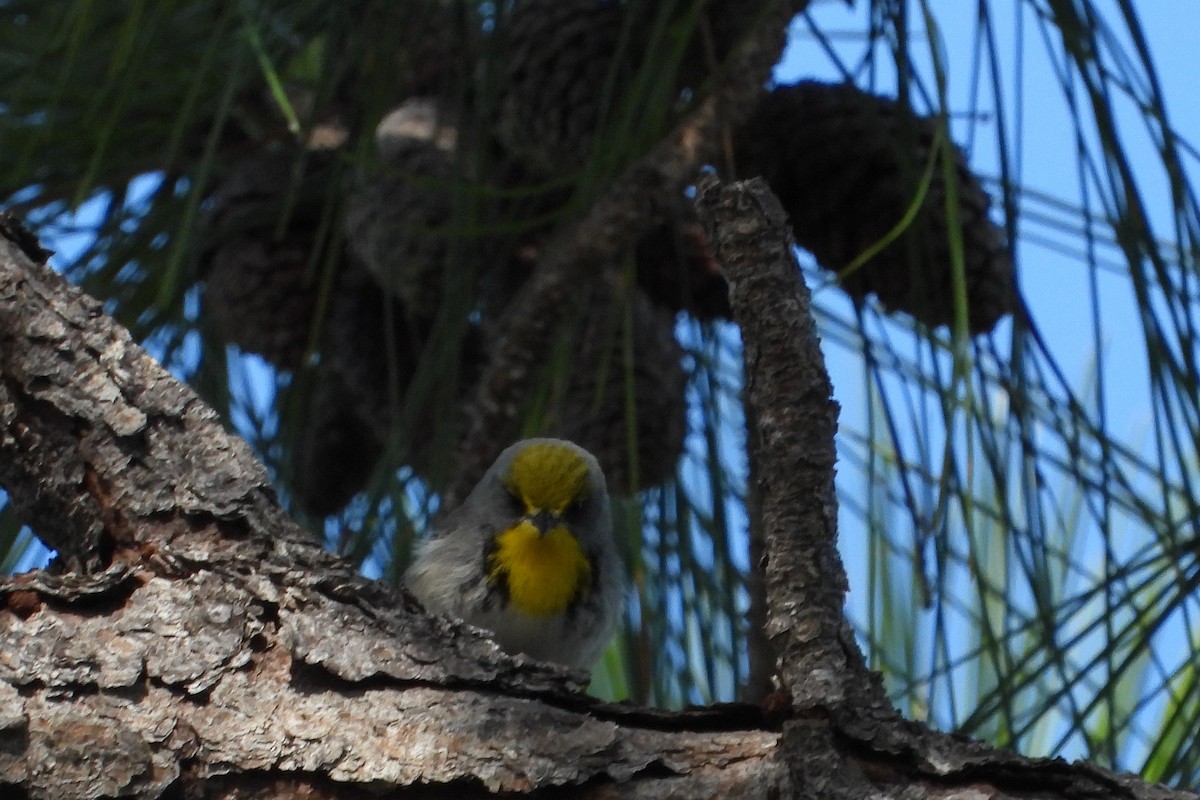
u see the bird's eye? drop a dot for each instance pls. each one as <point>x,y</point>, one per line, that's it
<point>515,503</point>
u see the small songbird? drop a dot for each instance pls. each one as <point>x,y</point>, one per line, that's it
<point>530,556</point>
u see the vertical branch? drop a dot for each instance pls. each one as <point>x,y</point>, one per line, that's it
<point>760,681</point>
<point>794,419</point>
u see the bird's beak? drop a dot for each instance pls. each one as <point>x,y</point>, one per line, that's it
<point>544,521</point>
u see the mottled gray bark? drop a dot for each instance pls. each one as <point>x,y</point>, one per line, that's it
<point>795,419</point>
<point>198,645</point>
<point>200,635</point>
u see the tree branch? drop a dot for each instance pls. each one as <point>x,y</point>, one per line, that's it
<point>845,739</point>
<point>214,651</point>
<point>221,639</point>
<point>795,418</point>
<point>91,424</point>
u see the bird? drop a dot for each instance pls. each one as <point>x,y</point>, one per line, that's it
<point>529,556</point>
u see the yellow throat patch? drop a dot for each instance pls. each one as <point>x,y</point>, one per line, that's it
<point>544,572</point>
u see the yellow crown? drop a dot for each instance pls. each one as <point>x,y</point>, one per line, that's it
<point>547,477</point>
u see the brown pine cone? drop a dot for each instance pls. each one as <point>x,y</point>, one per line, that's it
<point>401,220</point>
<point>262,258</point>
<point>370,354</point>
<point>846,166</point>
<point>593,407</point>
<point>677,269</point>
<point>348,415</point>
<point>336,452</point>
<point>561,69</point>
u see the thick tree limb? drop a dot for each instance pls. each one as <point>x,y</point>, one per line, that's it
<point>220,640</point>
<point>91,424</point>
<point>213,652</point>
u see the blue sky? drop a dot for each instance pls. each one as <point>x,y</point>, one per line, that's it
<point>1055,285</point>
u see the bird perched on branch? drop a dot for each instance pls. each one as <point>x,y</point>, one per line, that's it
<point>530,555</point>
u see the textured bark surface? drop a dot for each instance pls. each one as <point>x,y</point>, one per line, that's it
<point>793,438</point>
<point>204,635</point>
<point>196,644</point>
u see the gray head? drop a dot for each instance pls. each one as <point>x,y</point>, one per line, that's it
<point>530,555</point>
<point>550,482</point>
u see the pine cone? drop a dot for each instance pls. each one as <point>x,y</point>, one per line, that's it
<point>400,217</point>
<point>722,25</point>
<point>260,279</point>
<point>677,269</point>
<point>369,358</point>
<point>561,68</point>
<point>571,65</point>
<point>346,425</point>
<point>593,408</point>
<point>846,166</point>
<point>335,453</point>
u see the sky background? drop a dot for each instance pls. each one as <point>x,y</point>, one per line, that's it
<point>1054,284</point>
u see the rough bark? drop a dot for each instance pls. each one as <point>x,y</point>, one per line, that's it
<point>212,638</point>
<point>198,645</point>
<point>843,739</point>
<point>795,419</point>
